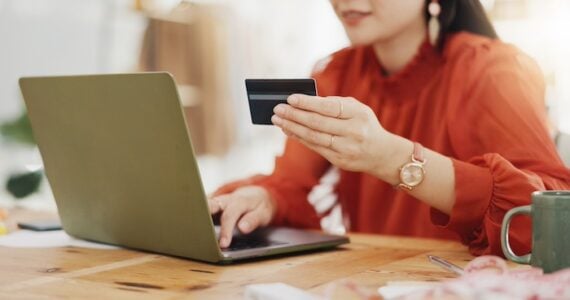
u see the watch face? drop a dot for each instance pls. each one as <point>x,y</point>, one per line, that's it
<point>412,174</point>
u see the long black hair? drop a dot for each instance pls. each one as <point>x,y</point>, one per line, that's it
<point>462,15</point>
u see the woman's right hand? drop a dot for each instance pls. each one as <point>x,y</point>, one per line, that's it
<point>249,207</point>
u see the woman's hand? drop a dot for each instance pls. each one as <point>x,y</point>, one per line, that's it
<point>249,207</point>
<point>343,130</point>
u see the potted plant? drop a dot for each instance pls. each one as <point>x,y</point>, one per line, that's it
<point>25,183</point>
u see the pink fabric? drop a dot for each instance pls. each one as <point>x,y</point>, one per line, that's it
<point>488,277</point>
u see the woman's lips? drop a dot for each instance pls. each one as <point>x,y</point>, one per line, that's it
<point>353,17</point>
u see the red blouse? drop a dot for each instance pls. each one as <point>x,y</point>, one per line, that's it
<point>479,102</point>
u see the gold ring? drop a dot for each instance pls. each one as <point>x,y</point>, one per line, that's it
<point>332,141</point>
<point>340,109</point>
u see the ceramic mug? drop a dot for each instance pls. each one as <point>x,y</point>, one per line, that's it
<point>550,213</point>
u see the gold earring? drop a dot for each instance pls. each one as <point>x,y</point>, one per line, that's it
<point>434,9</point>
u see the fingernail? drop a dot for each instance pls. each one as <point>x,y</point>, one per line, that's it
<point>279,109</point>
<point>293,99</point>
<point>276,120</point>
<point>224,242</point>
<point>244,225</point>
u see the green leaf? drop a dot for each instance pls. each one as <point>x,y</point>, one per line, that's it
<point>19,131</point>
<point>25,184</point>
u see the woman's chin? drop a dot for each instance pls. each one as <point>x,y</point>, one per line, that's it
<point>361,38</point>
<point>360,41</point>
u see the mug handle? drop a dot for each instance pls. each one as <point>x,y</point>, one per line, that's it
<point>525,259</point>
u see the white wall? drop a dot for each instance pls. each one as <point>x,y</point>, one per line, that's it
<point>40,37</point>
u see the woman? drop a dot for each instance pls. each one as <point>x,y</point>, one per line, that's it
<point>437,132</point>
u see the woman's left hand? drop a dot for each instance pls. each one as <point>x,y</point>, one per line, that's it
<point>342,129</point>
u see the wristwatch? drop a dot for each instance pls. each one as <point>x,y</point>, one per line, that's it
<point>413,172</point>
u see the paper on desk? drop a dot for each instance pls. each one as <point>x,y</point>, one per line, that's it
<point>276,291</point>
<point>47,239</point>
<point>395,290</point>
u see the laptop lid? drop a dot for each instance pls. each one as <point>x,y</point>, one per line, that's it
<point>109,141</point>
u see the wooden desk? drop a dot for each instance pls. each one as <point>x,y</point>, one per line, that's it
<point>369,260</point>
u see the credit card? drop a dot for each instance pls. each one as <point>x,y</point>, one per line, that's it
<point>264,94</point>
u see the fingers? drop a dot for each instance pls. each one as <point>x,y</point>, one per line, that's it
<point>249,207</point>
<point>327,153</point>
<point>335,107</point>
<point>251,221</point>
<point>230,215</point>
<point>311,119</point>
<point>335,143</point>
<point>302,132</point>
<point>217,204</point>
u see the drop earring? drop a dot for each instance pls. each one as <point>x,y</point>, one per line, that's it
<point>434,9</point>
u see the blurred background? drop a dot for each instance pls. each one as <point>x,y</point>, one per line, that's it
<point>211,47</point>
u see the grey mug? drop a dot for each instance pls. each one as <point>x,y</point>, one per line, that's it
<point>550,213</point>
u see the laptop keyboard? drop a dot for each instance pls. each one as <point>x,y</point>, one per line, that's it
<point>250,242</point>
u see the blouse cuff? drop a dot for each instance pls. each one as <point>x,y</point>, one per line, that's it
<point>473,192</point>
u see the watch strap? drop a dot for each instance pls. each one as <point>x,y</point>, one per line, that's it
<point>418,154</point>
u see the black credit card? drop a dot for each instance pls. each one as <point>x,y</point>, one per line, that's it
<point>265,94</point>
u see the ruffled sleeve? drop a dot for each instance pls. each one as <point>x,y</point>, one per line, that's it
<point>503,151</point>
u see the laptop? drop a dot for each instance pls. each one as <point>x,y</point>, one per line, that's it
<point>120,163</point>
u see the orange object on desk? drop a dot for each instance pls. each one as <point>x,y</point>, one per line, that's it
<point>3,216</point>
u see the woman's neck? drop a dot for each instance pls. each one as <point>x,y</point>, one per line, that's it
<point>397,52</point>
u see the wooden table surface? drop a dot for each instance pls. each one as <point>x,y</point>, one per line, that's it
<point>67,272</point>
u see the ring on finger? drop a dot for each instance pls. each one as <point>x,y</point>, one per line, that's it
<point>332,141</point>
<point>340,109</point>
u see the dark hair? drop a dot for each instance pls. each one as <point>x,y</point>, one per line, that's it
<point>463,15</point>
